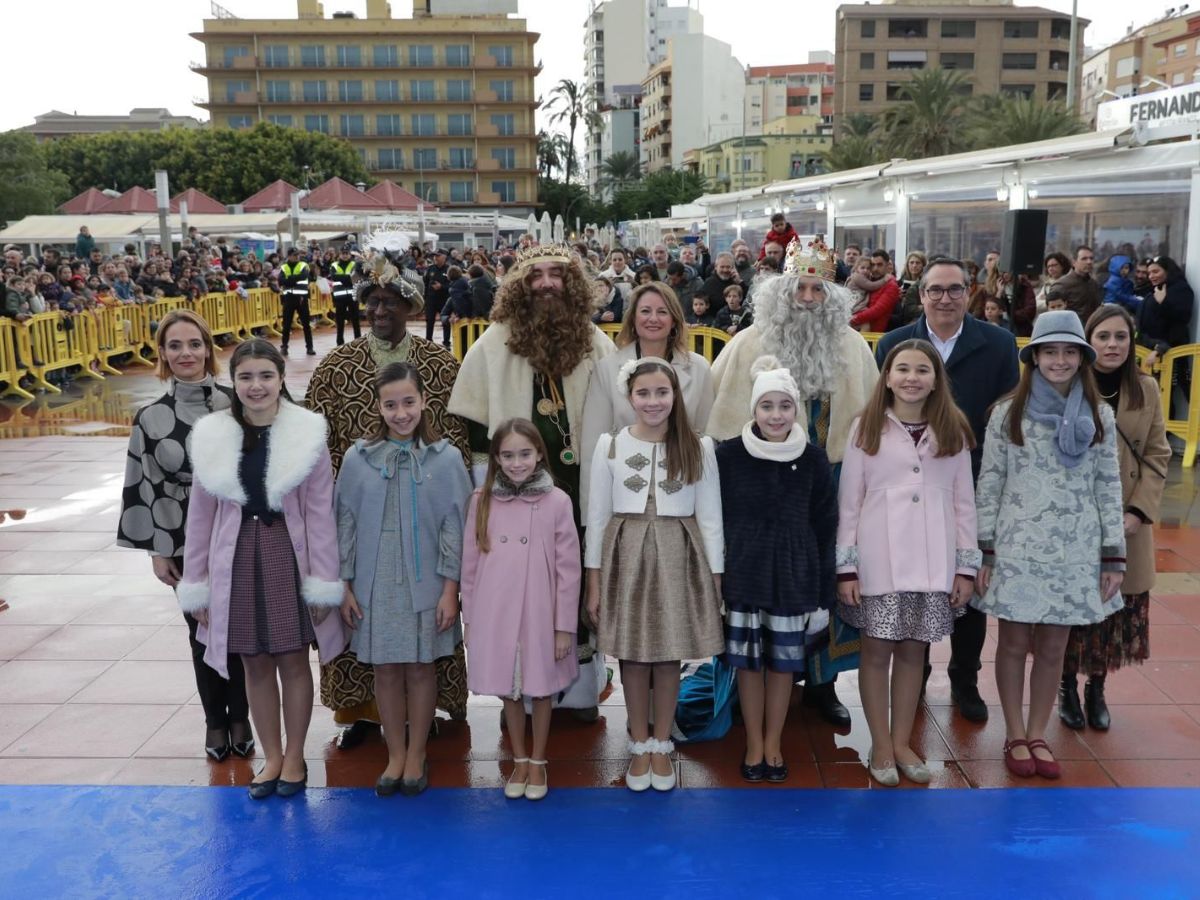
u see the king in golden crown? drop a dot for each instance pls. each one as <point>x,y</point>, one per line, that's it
<point>812,259</point>
<point>543,253</point>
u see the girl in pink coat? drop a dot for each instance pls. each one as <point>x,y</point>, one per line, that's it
<point>906,549</point>
<point>260,558</point>
<point>521,573</point>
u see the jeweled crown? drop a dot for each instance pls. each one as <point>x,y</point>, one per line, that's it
<point>813,259</point>
<point>543,253</point>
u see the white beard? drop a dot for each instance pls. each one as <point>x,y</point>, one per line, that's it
<point>806,341</point>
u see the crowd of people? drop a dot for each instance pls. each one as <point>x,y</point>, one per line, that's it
<point>803,507</point>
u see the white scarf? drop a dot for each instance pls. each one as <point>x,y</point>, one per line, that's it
<point>775,451</point>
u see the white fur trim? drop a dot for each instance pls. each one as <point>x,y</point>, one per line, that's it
<point>662,746</point>
<point>318,592</point>
<point>216,452</point>
<point>638,748</point>
<point>846,557</point>
<point>969,558</point>
<point>192,595</point>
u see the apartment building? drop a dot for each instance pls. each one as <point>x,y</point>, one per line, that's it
<point>55,124</point>
<point>785,148</point>
<point>441,103</point>
<point>623,39</point>
<point>1002,48</point>
<point>1121,69</point>
<point>800,91</point>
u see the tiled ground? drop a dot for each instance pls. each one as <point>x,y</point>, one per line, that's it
<point>96,685</point>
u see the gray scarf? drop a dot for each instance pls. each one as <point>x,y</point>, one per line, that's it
<point>1069,416</point>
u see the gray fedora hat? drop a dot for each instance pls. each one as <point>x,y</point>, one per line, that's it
<point>1058,326</point>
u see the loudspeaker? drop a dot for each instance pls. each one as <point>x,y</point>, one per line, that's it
<point>1024,243</point>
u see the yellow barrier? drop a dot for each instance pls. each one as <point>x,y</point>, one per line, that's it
<point>705,341</point>
<point>154,313</point>
<point>11,372</point>
<point>260,309</point>
<point>1188,429</point>
<point>120,331</point>
<point>463,334</point>
<point>52,342</point>
<point>320,305</point>
<point>220,311</point>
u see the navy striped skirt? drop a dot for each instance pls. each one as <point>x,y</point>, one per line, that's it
<point>756,639</point>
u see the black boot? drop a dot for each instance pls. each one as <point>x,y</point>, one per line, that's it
<point>1068,703</point>
<point>823,698</point>
<point>965,696</point>
<point>1097,709</point>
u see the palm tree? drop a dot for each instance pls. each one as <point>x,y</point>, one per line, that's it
<point>547,154</point>
<point>931,117</point>
<point>570,103</point>
<point>564,152</point>
<point>1000,121</point>
<point>620,169</point>
<point>853,151</point>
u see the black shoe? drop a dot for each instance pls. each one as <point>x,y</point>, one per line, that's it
<point>357,733</point>
<point>777,774</point>
<point>291,788</point>
<point>970,705</point>
<point>386,787</point>
<point>1068,703</point>
<point>245,747</point>
<point>412,788</point>
<point>216,744</point>
<point>310,352</point>
<point>261,790</point>
<point>755,773</point>
<point>283,349</point>
<point>217,754</point>
<point>823,698</point>
<point>1097,709</point>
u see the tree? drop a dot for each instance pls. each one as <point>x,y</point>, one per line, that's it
<point>227,164</point>
<point>619,170</point>
<point>654,194</point>
<point>853,152</point>
<point>570,201</point>
<point>547,154</point>
<point>570,103</point>
<point>999,121</point>
<point>28,187</point>
<point>930,119</point>
<point>565,151</point>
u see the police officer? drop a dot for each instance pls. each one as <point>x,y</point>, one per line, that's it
<point>294,278</point>
<point>345,305</point>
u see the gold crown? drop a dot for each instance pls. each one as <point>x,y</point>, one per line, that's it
<point>813,258</point>
<point>543,253</point>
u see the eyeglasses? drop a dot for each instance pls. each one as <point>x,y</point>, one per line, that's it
<point>955,291</point>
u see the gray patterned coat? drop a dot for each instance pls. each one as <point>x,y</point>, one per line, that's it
<point>1052,529</point>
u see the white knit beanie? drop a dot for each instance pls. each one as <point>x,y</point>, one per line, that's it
<point>770,375</point>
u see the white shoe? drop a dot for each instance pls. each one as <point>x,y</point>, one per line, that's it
<point>515,790</point>
<point>663,782</point>
<point>639,783</point>
<point>537,791</point>
<point>918,773</point>
<point>887,775</point>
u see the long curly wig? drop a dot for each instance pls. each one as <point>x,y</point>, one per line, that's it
<point>554,337</point>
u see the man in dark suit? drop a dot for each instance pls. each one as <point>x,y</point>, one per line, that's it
<point>981,362</point>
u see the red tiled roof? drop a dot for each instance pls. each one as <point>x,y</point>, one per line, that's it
<point>197,201</point>
<point>86,203</point>
<point>337,193</point>
<point>135,200</point>
<point>276,195</point>
<point>393,196</point>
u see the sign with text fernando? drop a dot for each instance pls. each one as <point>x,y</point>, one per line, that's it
<point>1171,106</point>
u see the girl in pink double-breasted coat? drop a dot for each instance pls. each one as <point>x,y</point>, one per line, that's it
<point>521,574</point>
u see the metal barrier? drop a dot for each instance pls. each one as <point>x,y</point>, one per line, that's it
<point>120,331</point>
<point>1188,429</point>
<point>260,308</point>
<point>11,370</point>
<point>52,342</point>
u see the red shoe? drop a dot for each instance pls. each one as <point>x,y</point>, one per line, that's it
<point>1047,768</point>
<point>1022,768</point>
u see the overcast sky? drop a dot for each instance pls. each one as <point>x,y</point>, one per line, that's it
<point>104,58</point>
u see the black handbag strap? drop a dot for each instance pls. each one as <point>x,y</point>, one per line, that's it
<point>1141,459</point>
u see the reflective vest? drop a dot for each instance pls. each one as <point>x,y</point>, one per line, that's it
<point>341,275</point>
<point>295,280</point>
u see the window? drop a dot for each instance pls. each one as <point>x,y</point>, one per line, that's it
<point>1177,79</point>
<point>385,55</point>
<point>282,121</point>
<point>1181,50</point>
<point>279,91</point>
<point>458,123</point>
<point>462,158</point>
<point>1128,66</point>
<point>458,89</point>
<point>387,91</point>
<point>349,57</point>
<point>797,101</point>
<point>906,59</point>
<point>908,28</point>
<point>866,28</point>
<point>893,91</point>
<point>312,56</point>
<point>1198,48</point>
<point>388,126</point>
<point>1060,29</point>
<point>458,55</point>
<point>425,158</point>
<point>953,29</point>
<point>239,122</point>
<point>426,190</point>
<point>391,158</point>
<point>1018,90</point>
<point>503,89</point>
<point>502,55</point>
<point>506,191</point>
<point>314,91</point>
<point>350,91</point>
<point>233,88</point>
<point>957,60</point>
<point>462,192</point>
<point>1021,28</point>
<point>352,126</point>
<point>866,93</point>
<point>276,56</point>
<point>317,123</point>
<point>420,55</point>
<point>421,91</point>
<point>506,156</point>
<point>504,124</point>
<point>1018,61</point>
<point>866,60</point>
<point>232,53</point>
<point>423,124</point>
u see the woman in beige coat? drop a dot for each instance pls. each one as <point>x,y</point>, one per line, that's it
<point>1123,637</point>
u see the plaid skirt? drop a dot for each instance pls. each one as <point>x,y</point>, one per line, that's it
<point>1121,639</point>
<point>266,608</point>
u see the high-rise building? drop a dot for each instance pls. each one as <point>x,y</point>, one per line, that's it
<point>802,90</point>
<point>623,39</point>
<point>1001,48</point>
<point>441,103</point>
<point>693,98</point>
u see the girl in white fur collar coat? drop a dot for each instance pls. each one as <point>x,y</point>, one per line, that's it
<point>261,563</point>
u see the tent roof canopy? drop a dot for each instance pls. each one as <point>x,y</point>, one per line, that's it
<point>83,204</point>
<point>337,193</point>
<point>198,202</point>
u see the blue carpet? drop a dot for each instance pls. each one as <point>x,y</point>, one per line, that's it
<point>214,842</point>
